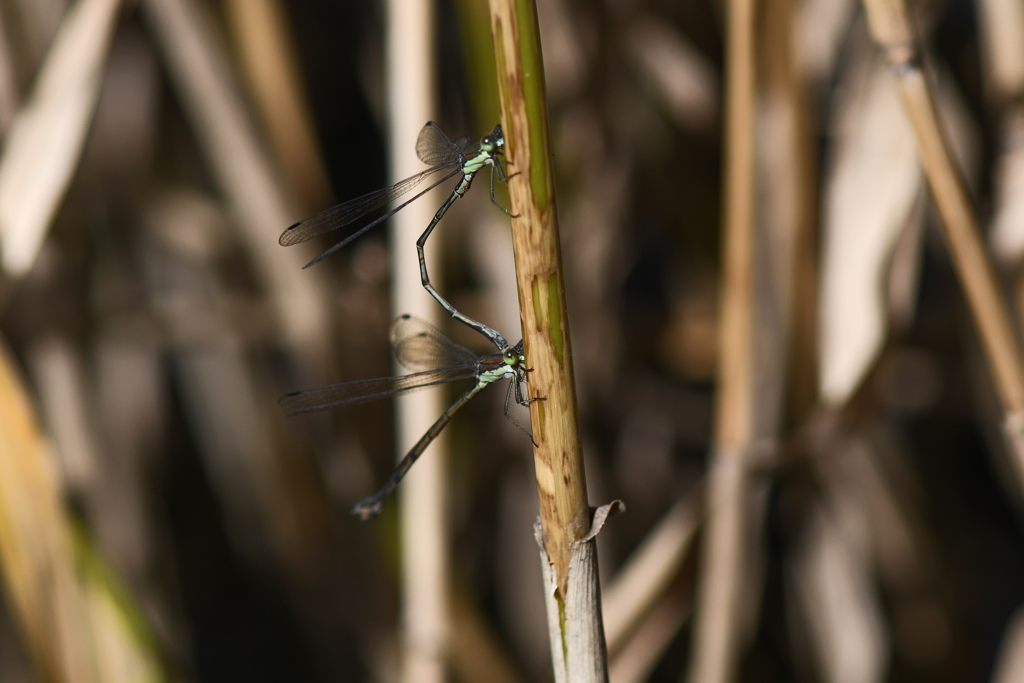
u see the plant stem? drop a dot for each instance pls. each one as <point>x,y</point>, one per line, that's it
<point>561,485</point>
<point>424,630</point>
<point>574,606</point>
<point>716,628</point>
<point>891,29</point>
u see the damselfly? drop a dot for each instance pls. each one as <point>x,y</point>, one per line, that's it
<point>420,346</point>
<point>434,148</point>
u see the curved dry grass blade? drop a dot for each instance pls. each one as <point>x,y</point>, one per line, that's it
<point>832,591</point>
<point>651,569</point>
<point>46,138</point>
<point>1002,25</point>
<point>33,539</point>
<point>1007,238</point>
<point>646,604</point>
<point>1010,665</point>
<point>57,372</point>
<point>872,188</point>
<point>641,653</point>
<point>77,630</point>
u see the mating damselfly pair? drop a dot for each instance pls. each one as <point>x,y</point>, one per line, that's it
<point>417,344</point>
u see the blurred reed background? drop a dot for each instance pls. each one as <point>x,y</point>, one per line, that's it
<point>154,151</point>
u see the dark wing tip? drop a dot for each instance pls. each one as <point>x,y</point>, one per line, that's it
<point>285,240</point>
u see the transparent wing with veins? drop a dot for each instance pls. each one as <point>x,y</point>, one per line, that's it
<point>419,345</point>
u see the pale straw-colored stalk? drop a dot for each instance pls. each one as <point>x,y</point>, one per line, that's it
<point>422,499</point>
<point>716,635</point>
<point>891,28</point>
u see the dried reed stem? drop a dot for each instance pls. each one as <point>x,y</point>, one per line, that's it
<point>411,87</point>
<point>574,615</point>
<point>268,58</point>
<point>889,21</point>
<point>644,581</point>
<point>716,626</point>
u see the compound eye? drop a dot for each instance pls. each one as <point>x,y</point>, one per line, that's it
<point>510,357</point>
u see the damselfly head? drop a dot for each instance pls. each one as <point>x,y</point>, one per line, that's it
<point>493,142</point>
